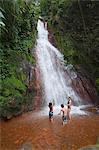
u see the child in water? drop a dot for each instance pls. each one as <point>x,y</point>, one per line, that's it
<point>50,112</point>
<point>64,114</point>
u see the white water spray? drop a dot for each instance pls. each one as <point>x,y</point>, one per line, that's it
<point>55,84</point>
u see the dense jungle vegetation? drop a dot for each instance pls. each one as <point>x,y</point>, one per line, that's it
<point>74,24</point>
<point>18,19</point>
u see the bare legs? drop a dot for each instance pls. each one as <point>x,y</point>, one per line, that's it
<point>51,119</point>
<point>69,114</point>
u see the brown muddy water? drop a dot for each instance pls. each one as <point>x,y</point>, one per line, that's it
<point>35,132</point>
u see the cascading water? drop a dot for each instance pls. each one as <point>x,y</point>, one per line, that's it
<point>55,84</point>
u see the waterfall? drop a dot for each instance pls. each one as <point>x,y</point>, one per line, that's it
<point>56,84</point>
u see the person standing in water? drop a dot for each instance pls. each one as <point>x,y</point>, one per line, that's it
<point>50,112</point>
<point>69,104</point>
<point>64,114</point>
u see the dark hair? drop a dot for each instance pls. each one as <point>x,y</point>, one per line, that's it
<point>50,104</point>
<point>68,101</point>
<point>62,105</point>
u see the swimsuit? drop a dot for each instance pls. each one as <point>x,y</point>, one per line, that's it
<point>69,107</point>
<point>50,114</point>
<point>64,118</point>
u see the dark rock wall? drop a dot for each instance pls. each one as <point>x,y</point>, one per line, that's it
<point>83,84</point>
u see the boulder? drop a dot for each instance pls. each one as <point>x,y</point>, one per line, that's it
<point>90,147</point>
<point>26,146</point>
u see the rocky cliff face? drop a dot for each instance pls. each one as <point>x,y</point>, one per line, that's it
<point>31,98</point>
<point>83,84</point>
<point>37,87</point>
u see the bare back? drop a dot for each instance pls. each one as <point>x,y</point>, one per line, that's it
<point>64,110</point>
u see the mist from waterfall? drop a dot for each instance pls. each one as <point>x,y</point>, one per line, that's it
<point>56,84</point>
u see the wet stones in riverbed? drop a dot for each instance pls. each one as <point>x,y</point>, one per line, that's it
<point>91,147</point>
<point>26,146</point>
<point>97,141</point>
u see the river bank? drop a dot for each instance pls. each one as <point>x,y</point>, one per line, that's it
<point>39,134</point>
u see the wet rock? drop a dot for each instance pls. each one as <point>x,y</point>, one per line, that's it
<point>91,147</point>
<point>97,141</point>
<point>9,116</point>
<point>51,37</point>
<point>6,115</point>
<point>26,146</point>
<point>38,88</point>
<point>92,109</point>
<point>18,113</point>
<point>84,86</point>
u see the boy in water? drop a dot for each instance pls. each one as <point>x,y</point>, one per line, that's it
<point>64,114</point>
<point>50,112</point>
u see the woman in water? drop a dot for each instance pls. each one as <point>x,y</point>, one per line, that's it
<point>69,104</point>
<point>50,112</point>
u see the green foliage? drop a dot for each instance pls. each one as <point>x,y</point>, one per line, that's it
<point>13,83</point>
<point>65,46</point>
<point>18,19</point>
<point>97,84</point>
<point>11,94</point>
